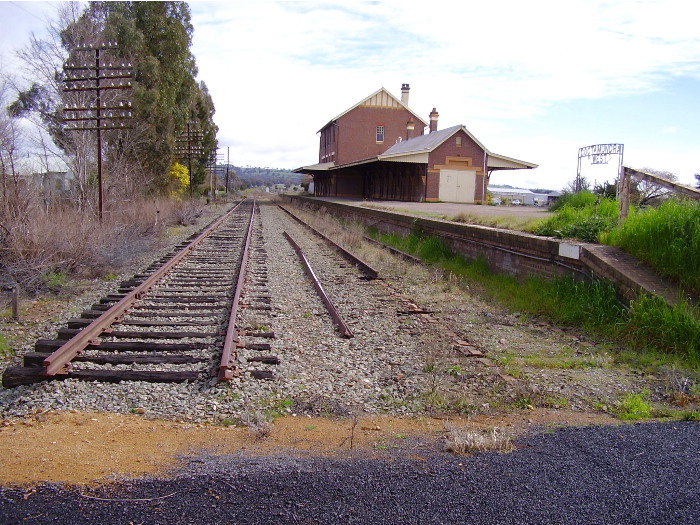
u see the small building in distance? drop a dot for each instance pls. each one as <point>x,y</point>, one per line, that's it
<point>520,196</point>
<point>378,149</point>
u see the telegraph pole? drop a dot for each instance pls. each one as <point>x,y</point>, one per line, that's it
<point>188,146</point>
<point>96,78</point>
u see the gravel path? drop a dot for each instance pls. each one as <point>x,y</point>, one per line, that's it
<point>631,474</point>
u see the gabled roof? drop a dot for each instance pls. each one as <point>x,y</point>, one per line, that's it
<point>427,143</point>
<point>380,98</point>
<point>424,143</point>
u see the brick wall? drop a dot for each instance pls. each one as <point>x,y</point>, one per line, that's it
<point>356,132</point>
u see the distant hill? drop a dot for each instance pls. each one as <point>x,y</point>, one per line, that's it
<point>253,176</point>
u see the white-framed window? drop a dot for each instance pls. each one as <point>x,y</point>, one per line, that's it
<point>380,133</point>
<point>458,141</point>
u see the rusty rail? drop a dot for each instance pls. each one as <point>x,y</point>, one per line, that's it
<point>342,326</point>
<point>59,360</point>
<point>227,368</point>
<point>366,268</point>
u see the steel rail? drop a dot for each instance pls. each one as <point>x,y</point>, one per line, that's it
<point>342,326</point>
<point>399,253</point>
<point>58,361</point>
<point>227,368</point>
<point>369,271</point>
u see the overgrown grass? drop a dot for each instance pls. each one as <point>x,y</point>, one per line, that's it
<point>667,238</point>
<point>648,323</point>
<point>508,222</point>
<point>580,199</point>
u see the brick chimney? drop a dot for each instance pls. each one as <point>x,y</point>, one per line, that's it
<point>409,128</point>
<point>404,94</point>
<point>433,120</point>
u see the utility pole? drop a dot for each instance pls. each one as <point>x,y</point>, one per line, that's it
<point>96,114</point>
<point>188,146</point>
<point>228,163</point>
<point>215,159</point>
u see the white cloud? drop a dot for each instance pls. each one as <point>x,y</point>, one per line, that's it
<point>515,73</point>
<point>278,71</point>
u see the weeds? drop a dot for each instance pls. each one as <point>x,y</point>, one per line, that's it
<point>648,324</point>
<point>45,247</point>
<point>507,222</point>
<point>652,323</point>
<point>259,424</point>
<point>691,415</point>
<point>5,349</point>
<point>54,281</point>
<point>634,407</point>
<point>583,216</point>
<point>455,370</point>
<point>667,237</point>
<point>464,441</point>
<point>449,402</point>
<point>279,407</point>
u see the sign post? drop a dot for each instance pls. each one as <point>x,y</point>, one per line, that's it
<point>600,154</point>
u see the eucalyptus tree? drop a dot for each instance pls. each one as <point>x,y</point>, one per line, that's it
<point>155,37</point>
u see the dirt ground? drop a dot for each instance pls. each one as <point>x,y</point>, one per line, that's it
<point>82,448</point>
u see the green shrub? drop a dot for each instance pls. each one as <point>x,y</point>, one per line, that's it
<point>580,199</point>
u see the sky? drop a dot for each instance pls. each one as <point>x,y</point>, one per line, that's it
<point>533,80</point>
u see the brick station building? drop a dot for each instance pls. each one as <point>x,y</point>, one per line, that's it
<point>377,149</point>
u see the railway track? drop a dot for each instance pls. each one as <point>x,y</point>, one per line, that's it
<point>180,319</point>
<point>166,324</point>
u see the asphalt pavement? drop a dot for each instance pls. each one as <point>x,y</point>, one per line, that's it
<point>629,474</point>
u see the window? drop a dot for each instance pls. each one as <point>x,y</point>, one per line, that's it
<point>380,133</point>
<point>459,141</point>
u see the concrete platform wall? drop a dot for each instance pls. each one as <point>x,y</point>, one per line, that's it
<point>516,253</point>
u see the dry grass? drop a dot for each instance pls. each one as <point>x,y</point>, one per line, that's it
<point>508,222</point>
<point>461,440</point>
<point>259,425</point>
<point>42,247</point>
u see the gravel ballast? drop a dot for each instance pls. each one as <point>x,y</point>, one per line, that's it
<point>319,369</point>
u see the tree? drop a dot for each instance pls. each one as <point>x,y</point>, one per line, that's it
<point>646,193</point>
<point>697,180</point>
<point>605,189</point>
<point>9,137</point>
<point>179,179</point>
<point>572,186</point>
<point>166,95</point>
<point>153,36</point>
